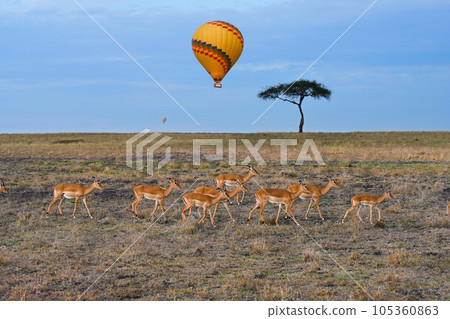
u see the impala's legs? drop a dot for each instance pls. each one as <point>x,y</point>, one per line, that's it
<point>199,211</point>
<point>87,208</point>
<point>154,209</point>
<point>215,210</point>
<point>211,217</point>
<point>309,207</point>
<point>76,205</point>
<point>132,207</point>
<point>226,206</point>
<point>204,214</point>
<point>55,198</point>
<point>292,214</point>
<point>251,211</point>
<point>318,208</point>
<point>357,213</point>
<point>162,207</point>
<point>185,208</point>
<point>136,203</point>
<point>371,210</point>
<point>156,206</point>
<point>260,212</point>
<point>229,213</point>
<point>291,204</point>
<point>59,205</point>
<point>348,211</point>
<point>243,194</point>
<point>379,213</point>
<point>285,213</point>
<point>278,214</point>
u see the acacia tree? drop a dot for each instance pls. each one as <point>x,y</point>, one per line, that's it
<point>295,92</point>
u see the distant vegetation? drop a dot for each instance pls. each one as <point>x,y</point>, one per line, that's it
<point>295,92</point>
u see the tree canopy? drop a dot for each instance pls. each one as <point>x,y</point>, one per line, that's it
<point>295,92</point>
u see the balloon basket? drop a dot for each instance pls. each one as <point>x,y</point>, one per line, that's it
<point>217,85</point>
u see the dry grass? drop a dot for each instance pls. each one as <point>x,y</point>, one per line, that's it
<point>403,257</point>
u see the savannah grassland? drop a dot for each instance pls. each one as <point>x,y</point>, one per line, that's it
<point>404,257</point>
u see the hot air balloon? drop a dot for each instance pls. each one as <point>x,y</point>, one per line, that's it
<point>163,119</point>
<point>217,45</point>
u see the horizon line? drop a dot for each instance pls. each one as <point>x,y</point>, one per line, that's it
<point>262,132</point>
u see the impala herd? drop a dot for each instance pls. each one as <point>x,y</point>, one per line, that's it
<point>204,197</point>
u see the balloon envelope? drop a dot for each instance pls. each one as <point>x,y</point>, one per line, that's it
<point>217,45</point>
<point>163,119</point>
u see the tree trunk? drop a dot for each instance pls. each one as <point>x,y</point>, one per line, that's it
<point>302,118</point>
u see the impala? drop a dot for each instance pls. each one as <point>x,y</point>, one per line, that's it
<point>154,193</point>
<point>204,201</point>
<point>367,200</point>
<point>279,197</point>
<point>316,192</point>
<point>71,191</point>
<point>231,179</point>
<point>212,191</point>
<point>3,186</point>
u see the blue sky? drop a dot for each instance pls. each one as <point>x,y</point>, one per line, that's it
<point>59,72</point>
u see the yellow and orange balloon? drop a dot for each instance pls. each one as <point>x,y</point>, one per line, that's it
<point>217,45</point>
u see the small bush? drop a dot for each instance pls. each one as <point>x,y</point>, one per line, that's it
<point>96,167</point>
<point>188,228</point>
<point>438,222</point>
<point>379,224</point>
<point>309,255</point>
<point>353,256</point>
<point>259,246</point>
<point>397,258</point>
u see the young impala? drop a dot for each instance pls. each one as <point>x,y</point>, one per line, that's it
<point>212,191</point>
<point>231,179</point>
<point>204,201</point>
<point>71,191</point>
<point>316,192</point>
<point>154,193</point>
<point>279,197</point>
<point>367,200</point>
<point>3,186</point>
